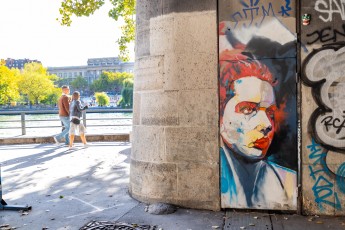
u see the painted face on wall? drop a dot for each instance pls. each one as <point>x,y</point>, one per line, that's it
<point>248,120</point>
<point>306,19</point>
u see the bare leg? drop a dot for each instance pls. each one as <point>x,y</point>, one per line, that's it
<point>71,140</point>
<point>83,138</point>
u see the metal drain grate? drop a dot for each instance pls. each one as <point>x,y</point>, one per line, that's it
<point>107,225</point>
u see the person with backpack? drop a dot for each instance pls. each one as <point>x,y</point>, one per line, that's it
<point>76,126</point>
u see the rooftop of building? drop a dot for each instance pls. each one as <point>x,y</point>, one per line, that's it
<point>106,61</point>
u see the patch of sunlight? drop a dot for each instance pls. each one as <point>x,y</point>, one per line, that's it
<point>72,184</point>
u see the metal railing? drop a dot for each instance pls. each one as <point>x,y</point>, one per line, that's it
<point>23,120</point>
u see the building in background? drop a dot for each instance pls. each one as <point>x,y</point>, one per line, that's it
<point>93,69</point>
<point>18,63</point>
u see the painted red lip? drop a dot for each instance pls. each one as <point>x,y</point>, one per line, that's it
<point>262,143</point>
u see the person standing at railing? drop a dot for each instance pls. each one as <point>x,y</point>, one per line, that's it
<point>64,114</point>
<point>76,109</point>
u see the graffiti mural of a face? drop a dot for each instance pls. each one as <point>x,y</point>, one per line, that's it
<point>256,91</point>
<point>248,120</point>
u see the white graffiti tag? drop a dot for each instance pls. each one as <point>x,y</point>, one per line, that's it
<point>328,66</point>
<point>329,7</point>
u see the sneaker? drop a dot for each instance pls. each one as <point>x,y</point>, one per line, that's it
<point>87,145</point>
<point>56,141</point>
<point>72,148</point>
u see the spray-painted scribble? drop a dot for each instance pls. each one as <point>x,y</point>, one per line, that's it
<point>322,175</point>
<point>253,9</point>
<point>341,178</point>
<point>285,9</point>
<point>329,7</point>
<point>257,116</point>
<point>324,71</point>
<point>326,35</point>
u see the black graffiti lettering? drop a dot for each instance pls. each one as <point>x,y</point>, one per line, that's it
<point>320,36</point>
<point>327,127</point>
<point>326,35</point>
<point>340,127</point>
<point>327,122</point>
<point>336,32</point>
<point>336,123</point>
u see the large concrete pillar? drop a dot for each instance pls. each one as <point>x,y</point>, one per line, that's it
<point>175,156</point>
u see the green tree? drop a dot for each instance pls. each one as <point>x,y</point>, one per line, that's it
<point>110,81</point>
<point>9,79</point>
<point>122,9</point>
<point>117,78</point>
<point>61,81</point>
<point>102,99</point>
<point>126,100</point>
<point>36,83</point>
<point>79,84</point>
<point>52,97</point>
<point>102,84</point>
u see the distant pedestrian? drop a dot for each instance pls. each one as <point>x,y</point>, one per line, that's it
<point>63,105</point>
<point>77,127</point>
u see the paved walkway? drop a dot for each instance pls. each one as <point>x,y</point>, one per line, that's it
<point>69,189</point>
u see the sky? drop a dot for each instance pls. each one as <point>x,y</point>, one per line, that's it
<point>29,29</point>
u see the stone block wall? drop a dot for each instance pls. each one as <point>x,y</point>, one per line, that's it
<point>175,156</point>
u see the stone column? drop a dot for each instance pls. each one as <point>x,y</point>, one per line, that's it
<point>175,157</point>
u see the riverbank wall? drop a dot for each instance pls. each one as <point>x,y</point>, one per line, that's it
<point>122,137</point>
<point>55,111</point>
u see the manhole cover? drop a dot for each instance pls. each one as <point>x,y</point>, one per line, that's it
<point>107,225</point>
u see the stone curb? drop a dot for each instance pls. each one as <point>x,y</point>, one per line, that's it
<point>90,138</point>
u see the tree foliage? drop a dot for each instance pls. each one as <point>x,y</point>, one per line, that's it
<point>102,99</point>
<point>102,84</point>
<point>36,83</point>
<point>122,9</point>
<point>79,84</point>
<point>52,97</point>
<point>110,81</point>
<point>61,81</point>
<point>126,100</point>
<point>9,79</point>
<point>119,77</point>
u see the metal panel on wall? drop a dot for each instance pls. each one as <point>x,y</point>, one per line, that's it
<point>257,90</point>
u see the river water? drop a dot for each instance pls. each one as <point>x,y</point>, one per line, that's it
<point>106,128</point>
